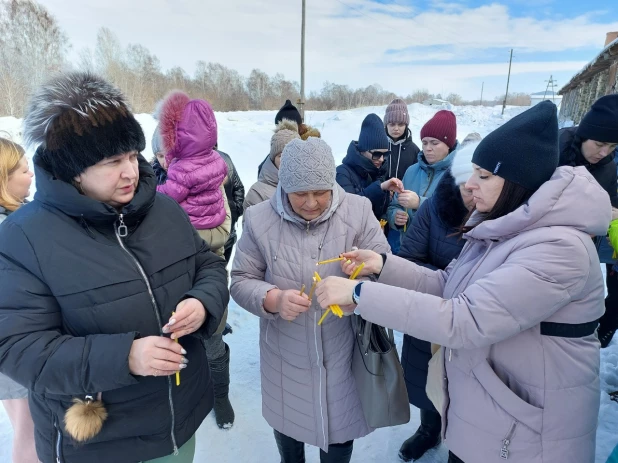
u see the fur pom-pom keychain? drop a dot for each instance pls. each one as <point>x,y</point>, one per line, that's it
<point>84,419</point>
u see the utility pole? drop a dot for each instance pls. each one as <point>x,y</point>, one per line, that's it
<point>301,102</point>
<point>508,79</point>
<point>482,86</point>
<point>551,82</point>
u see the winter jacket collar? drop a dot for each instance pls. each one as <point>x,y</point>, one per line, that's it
<point>62,196</point>
<point>360,164</point>
<point>269,173</point>
<point>444,164</point>
<point>407,134</point>
<point>552,206</point>
<point>448,201</point>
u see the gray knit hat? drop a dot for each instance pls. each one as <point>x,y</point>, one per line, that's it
<point>157,143</point>
<point>285,132</point>
<point>397,113</point>
<point>307,166</point>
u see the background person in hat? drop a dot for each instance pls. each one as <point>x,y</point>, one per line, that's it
<point>592,144</point>
<point>304,366</point>
<point>362,171</point>
<point>288,112</point>
<point>87,298</point>
<point>517,377</point>
<point>439,137</point>
<point>268,179</point>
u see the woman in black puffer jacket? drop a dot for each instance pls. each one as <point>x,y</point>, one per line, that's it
<point>433,240</point>
<point>592,144</point>
<point>91,310</point>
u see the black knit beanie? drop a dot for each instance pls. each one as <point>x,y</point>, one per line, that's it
<point>525,149</point>
<point>288,111</point>
<point>372,135</point>
<point>77,120</point>
<point>601,122</point>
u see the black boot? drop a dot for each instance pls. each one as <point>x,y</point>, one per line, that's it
<point>426,438</point>
<point>220,371</point>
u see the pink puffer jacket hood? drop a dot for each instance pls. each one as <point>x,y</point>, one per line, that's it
<point>189,133</point>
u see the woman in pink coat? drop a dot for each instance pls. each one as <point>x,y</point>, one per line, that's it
<point>517,377</point>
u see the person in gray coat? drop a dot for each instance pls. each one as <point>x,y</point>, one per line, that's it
<point>309,395</point>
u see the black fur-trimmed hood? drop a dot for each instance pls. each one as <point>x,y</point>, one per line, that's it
<point>448,202</point>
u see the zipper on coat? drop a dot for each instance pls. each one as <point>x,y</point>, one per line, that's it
<point>429,182</point>
<point>58,443</point>
<point>504,451</point>
<point>122,232</point>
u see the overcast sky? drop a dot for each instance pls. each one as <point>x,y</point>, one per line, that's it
<point>403,45</point>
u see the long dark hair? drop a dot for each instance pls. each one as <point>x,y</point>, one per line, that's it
<point>511,197</point>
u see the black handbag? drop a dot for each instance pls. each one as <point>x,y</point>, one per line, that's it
<point>379,375</point>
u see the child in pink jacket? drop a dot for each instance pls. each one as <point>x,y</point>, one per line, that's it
<point>195,172</point>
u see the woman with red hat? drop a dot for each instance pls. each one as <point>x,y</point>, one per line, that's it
<point>439,138</point>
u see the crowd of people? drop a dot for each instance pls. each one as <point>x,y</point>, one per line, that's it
<point>485,253</point>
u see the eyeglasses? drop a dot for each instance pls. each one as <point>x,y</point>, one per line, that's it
<point>376,155</point>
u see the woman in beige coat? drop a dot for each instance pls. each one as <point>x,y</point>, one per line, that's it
<point>308,392</point>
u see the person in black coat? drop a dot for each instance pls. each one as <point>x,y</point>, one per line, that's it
<point>433,240</point>
<point>362,171</point>
<point>404,152</point>
<point>91,310</point>
<point>235,192</point>
<point>593,144</point>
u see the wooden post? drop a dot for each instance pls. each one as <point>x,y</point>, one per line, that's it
<point>508,79</point>
<point>302,66</point>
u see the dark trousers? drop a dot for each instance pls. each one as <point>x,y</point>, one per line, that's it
<point>610,318</point>
<point>292,451</point>
<point>452,458</point>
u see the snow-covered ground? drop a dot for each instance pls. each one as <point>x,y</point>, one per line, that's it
<point>246,137</point>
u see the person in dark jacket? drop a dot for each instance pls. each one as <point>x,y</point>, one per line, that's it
<point>593,144</point>
<point>404,152</point>
<point>362,172</point>
<point>96,321</point>
<point>433,241</point>
<point>289,112</point>
<point>235,192</point>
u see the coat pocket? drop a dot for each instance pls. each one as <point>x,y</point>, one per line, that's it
<point>511,403</point>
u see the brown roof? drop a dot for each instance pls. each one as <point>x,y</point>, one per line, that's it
<point>603,61</point>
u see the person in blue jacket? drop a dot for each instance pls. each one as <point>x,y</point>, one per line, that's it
<point>362,171</point>
<point>439,138</point>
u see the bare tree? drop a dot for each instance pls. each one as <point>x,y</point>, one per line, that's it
<point>32,46</point>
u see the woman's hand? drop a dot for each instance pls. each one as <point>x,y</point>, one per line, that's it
<point>189,317</point>
<point>409,200</point>
<point>336,290</point>
<point>289,303</point>
<point>393,185</point>
<point>401,218</point>
<point>156,356</point>
<point>373,262</point>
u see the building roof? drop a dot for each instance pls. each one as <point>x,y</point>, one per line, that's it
<point>600,63</point>
<point>548,94</point>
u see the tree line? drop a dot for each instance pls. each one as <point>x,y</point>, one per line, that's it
<point>33,46</point>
